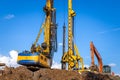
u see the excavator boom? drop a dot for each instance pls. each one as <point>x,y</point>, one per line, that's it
<point>96,53</point>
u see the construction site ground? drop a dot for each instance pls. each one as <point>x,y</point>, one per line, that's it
<point>22,73</point>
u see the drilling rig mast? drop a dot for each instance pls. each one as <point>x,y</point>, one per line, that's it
<point>64,36</point>
<point>72,57</point>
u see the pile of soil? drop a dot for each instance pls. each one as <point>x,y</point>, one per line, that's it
<point>22,73</point>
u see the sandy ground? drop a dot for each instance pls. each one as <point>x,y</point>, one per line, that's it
<point>22,73</point>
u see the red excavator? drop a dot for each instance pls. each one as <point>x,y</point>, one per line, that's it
<point>94,67</point>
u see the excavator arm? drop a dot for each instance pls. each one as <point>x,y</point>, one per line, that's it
<point>96,53</point>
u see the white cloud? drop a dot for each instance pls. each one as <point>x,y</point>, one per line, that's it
<point>60,44</point>
<point>102,32</point>
<point>9,16</point>
<point>107,31</point>
<point>11,60</point>
<point>87,66</point>
<point>117,75</point>
<point>112,64</point>
<point>56,65</point>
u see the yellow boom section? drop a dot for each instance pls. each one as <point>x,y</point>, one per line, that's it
<point>40,31</point>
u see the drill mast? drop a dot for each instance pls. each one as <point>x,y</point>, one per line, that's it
<point>72,57</point>
<point>50,38</point>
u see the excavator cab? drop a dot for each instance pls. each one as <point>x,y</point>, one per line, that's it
<point>106,69</point>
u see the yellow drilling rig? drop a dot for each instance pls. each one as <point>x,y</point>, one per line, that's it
<point>71,58</point>
<point>41,55</point>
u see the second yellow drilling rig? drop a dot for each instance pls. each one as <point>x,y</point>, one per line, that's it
<point>71,57</point>
<point>41,55</point>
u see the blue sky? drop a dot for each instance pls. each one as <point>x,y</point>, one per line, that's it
<point>96,20</point>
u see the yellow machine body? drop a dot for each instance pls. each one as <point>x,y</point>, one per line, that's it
<point>35,59</point>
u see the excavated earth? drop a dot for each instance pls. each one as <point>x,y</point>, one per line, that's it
<point>22,73</point>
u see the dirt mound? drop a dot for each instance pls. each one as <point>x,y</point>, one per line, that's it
<point>22,73</point>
